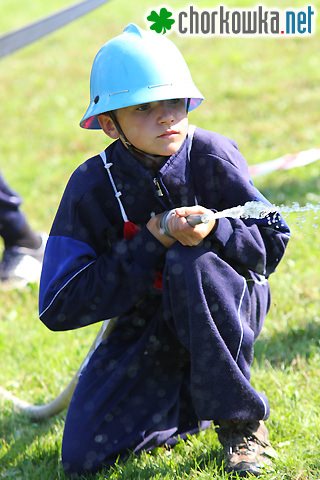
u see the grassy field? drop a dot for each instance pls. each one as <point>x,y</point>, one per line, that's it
<point>264,94</point>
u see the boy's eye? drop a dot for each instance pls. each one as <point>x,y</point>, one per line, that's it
<point>146,106</point>
<point>174,101</point>
<point>143,107</point>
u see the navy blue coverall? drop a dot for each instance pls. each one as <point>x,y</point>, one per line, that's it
<point>178,357</point>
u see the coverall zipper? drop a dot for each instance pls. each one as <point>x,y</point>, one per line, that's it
<point>158,187</point>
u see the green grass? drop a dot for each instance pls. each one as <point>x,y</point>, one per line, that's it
<point>263,93</point>
<point>16,15</point>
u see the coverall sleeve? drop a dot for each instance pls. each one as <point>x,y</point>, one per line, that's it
<point>83,282</point>
<point>247,244</point>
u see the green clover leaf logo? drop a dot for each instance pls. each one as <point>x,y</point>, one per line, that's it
<point>162,21</point>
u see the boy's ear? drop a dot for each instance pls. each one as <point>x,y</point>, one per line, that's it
<point>108,126</point>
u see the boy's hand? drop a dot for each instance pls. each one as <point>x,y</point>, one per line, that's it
<point>154,227</point>
<point>183,232</point>
<point>179,228</point>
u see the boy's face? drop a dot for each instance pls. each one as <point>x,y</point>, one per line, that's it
<point>158,128</point>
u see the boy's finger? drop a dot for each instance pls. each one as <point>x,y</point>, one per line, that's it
<point>181,212</point>
<point>184,211</point>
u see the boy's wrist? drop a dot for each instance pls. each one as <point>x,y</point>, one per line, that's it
<point>155,228</point>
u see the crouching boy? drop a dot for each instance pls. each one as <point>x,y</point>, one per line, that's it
<point>189,300</point>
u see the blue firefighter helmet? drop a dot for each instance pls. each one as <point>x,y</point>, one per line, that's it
<point>137,67</point>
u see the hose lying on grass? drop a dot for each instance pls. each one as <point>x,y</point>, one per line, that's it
<point>42,412</point>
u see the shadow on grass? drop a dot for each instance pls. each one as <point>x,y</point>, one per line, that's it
<point>29,454</point>
<point>283,348</point>
<point>177,464</point>
<point>33,453</point>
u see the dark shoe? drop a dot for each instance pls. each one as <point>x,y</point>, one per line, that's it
<point>246,446</point>
<point>20,265</point>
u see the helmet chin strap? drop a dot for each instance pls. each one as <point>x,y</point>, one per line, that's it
<point>149,159</point>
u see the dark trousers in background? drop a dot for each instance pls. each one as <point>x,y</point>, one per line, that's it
<point>12,220</point>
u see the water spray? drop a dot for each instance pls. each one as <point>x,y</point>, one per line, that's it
<point>248,210</point>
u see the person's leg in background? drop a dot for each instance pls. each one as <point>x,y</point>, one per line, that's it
<point>23,247</point>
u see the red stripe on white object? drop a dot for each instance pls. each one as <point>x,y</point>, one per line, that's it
<point>290,160</point>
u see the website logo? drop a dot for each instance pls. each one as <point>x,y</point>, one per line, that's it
<point>161,22</point>
<point>242,22</point>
